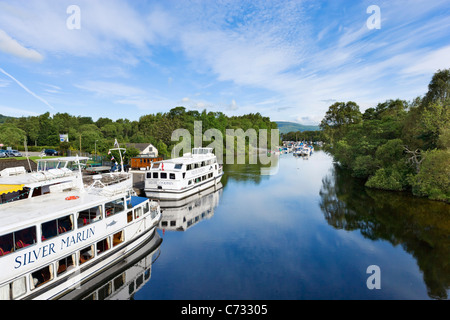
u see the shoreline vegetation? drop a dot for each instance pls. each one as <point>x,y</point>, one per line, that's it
<point>87,135</point>
<point>398,145</point>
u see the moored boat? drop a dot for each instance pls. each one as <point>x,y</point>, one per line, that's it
<point>182,177</point>
<point>59,229</point>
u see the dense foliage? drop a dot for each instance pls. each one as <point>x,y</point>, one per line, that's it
<point>397,145</point>
<point>156,129</point>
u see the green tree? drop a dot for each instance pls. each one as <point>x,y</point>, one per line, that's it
<point>433,179</point>
<point>10,135</point>
<point>338,118</point>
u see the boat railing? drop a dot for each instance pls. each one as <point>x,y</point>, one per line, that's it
<point>107,184</point>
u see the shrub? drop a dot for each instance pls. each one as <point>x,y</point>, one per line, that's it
<point>386,179</point>
<point>433,179</point>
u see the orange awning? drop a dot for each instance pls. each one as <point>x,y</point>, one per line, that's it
<point>7,188</point>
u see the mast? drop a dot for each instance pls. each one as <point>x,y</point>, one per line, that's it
<point>120,152</point>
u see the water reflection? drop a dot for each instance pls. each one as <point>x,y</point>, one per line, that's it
<point>250,172</point>
<point>123,280</point>
<point>420,226</point>
<point>182,215</point>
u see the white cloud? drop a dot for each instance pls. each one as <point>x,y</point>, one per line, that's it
<point>4,83</point>
<point>15,112</point>
<point>431,62</point>
<point>11,46</point>
<point>108,89</point>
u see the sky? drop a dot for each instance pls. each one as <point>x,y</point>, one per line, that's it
<point>287,60</point>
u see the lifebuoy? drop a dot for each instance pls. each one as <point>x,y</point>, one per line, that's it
<point>72,198</point>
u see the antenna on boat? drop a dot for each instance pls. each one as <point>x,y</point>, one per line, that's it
<point>116,144</point>
<point>77,161</point>
<point>26,152</point>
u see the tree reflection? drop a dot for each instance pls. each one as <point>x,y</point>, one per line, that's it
<point>420,226</point>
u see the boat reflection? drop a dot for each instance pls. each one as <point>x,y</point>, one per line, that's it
<point>124,279</point>
<point>181,215</point>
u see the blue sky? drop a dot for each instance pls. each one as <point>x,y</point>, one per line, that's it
<point>289,60</point>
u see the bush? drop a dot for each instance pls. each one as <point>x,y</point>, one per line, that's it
<point>364,166</point>
<point>433,179</point>
<point>386,179</point>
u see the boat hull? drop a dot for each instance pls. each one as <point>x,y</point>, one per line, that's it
<point>175,195</point>
<point>76,281</point>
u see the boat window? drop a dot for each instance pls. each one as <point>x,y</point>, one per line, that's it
<point>118,238</point>
<point>163,175</point>
<point>65,264</point>
<point>154,210</point>
<point>146,207</point>
<point>86,254</point>
<point>139,280</point>
<point>39,191</point>
<point>56,227</point>
<point>103,245</point>
<point>189,182</point>
<point>203,178</point>
<point>6,244</point>
<point>42,276</point>
<point>129,216</point>
<point>24,238</point>
<point>195,165</point>
<point>119,281</point>
<point>105,291</point>
<point>210,175</point>
<point>189,167</point>
<point>14,289</point>
<point>203,163</point>
<point>172,176</point>
<point>155,165</point>
<point>155,175</point>
<point>114,207</point>
<point>149,175</point>
<point>178,165</point>
<point>137,212</point>
<point>88,216</point>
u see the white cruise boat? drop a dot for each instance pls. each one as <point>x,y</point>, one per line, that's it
<point>182,177</point>
<point>59,229</point>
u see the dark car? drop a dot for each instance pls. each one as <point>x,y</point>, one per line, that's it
<point>50,152</point>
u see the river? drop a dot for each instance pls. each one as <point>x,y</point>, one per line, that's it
<point>302,229</point>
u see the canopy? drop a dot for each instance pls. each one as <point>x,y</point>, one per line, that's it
<point>7,188</point>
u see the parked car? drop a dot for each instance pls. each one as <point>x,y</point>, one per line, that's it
<point>3,154</point>
<point>13,153</point>
<point>50,152</point>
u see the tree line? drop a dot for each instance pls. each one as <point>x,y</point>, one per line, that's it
<point>397,145</point>
<point>44,130</point>
<point>316,135</point>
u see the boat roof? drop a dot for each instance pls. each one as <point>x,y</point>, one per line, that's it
<point>76,158</point>
<point>191,157</point>
<point>18,214</point>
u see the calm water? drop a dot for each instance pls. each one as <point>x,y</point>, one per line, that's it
<point>302,229</point>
